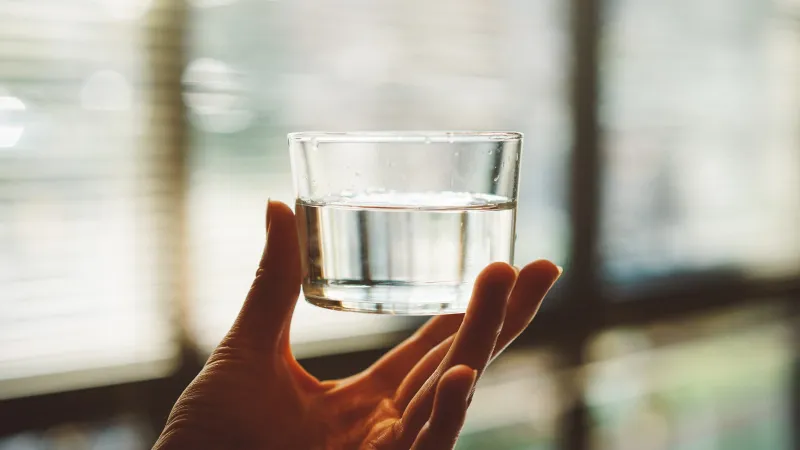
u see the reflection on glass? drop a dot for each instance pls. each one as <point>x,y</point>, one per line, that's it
<point>345,65</point>
<point>518,405</point>
<point>701,115</point>
<point>713,384</point>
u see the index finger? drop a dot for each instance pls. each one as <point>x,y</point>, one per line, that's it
<point>478,333</point>
<point>268,306</point>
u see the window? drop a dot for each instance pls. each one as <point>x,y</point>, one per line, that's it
<point>519,404</point>
<point>140,140</point>
<point>702,129</point>
<point>81,279</point>
<point>119,433</point>
<point>715,383</point>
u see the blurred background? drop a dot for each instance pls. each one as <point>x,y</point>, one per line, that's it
<point>140,139</point>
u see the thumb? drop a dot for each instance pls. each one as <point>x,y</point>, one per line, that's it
<point>267,310</point>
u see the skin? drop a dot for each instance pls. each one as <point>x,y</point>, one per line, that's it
<point>253,394</point>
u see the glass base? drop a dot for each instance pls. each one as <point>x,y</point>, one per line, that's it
<point>400,309</point>
<point>404,300</point>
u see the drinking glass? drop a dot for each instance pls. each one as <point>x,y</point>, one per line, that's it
<point>403,222</point>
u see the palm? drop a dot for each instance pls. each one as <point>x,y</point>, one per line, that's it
<point>252,393</point>
<point>281,414</point>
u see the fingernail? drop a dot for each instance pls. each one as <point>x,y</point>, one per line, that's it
<point>471,391</point>
<point>269,203</point>
<point>560,270</point>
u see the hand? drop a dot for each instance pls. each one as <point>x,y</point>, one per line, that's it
<point>253,394</point>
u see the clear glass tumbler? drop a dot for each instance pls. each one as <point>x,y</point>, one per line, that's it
<point>402,222</point>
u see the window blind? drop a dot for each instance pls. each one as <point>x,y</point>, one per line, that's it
<point>83,291</point>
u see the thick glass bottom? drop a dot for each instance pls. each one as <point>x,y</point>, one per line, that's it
<point>406,300</point>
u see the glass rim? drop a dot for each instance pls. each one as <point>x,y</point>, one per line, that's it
<point>377,137</point>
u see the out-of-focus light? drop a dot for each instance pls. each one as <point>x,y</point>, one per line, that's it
<point>11,127</point>
<point>215,94</point>
<point>210,86</point>
<point>125,9</point>
<point>211,3</point>
<point>366,62</point>
<point>106,90</point>
<point>231,122</point>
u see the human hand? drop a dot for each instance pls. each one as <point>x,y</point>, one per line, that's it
<point>253,394</point>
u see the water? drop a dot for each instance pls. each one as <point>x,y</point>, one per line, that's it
<point>402,253</point>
